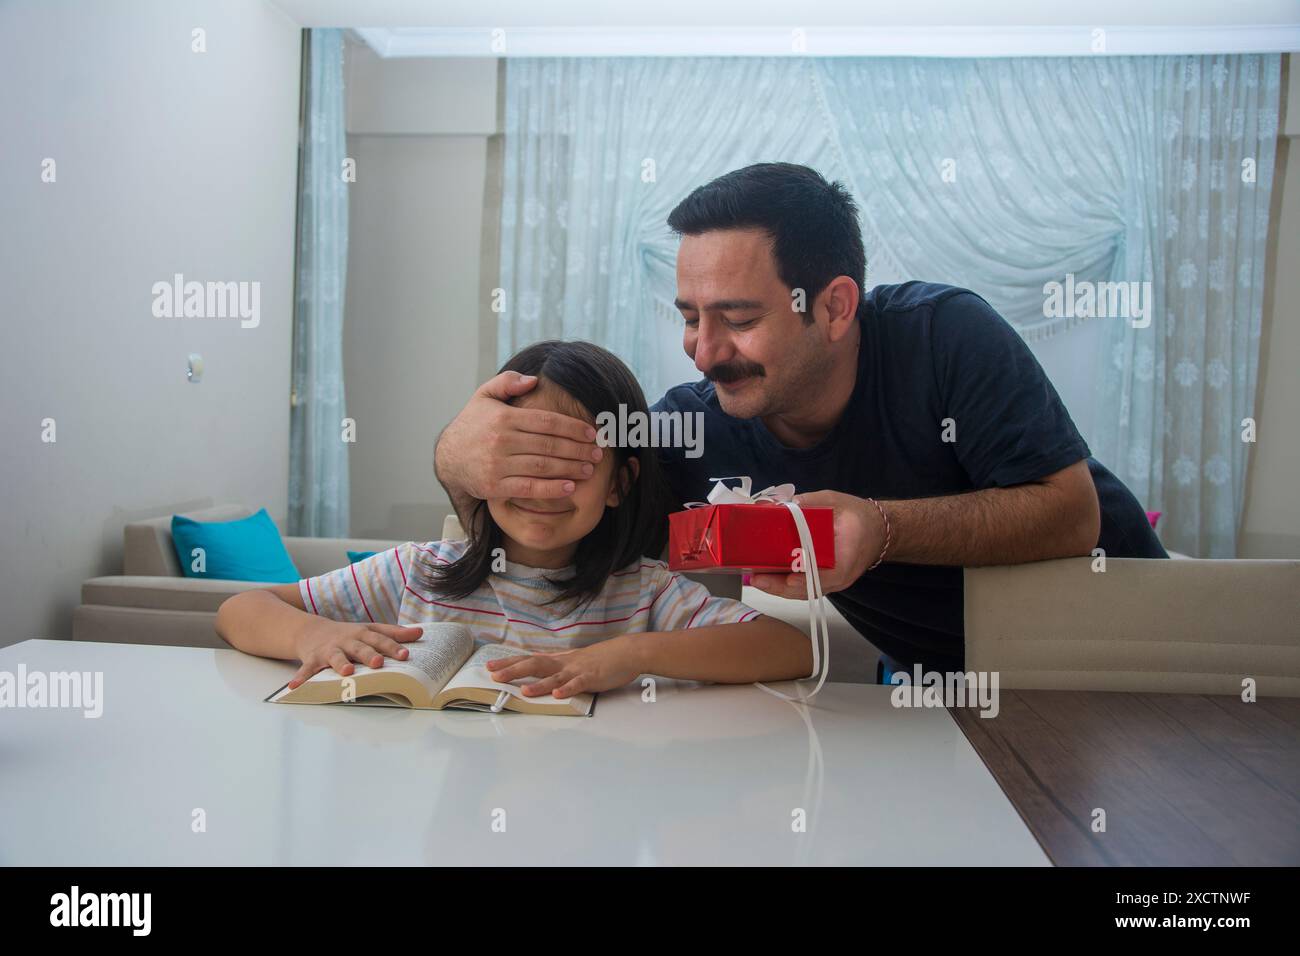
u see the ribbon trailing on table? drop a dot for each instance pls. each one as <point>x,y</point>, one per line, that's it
<point>820,635</point>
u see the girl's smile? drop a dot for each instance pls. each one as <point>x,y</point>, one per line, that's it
<point>536,511</point>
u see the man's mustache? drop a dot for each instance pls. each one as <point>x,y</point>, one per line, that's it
<point>733,372</point>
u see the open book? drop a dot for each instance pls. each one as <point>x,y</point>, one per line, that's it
<point>443,669</point>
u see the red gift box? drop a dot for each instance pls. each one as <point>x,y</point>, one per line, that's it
<point>746,537</point>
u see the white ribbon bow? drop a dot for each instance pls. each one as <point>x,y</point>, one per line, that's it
<point>817,621</point>
<point>722,495</point>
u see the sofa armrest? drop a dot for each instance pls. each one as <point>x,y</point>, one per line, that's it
<point>142,625</point>
<point>1184,627</point>
<point>163,593</point>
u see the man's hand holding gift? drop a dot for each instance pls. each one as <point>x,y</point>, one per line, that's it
<point>861,532</point>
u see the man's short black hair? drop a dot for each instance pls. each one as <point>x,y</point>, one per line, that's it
<point>813,223</point>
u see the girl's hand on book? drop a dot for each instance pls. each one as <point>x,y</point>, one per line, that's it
<point>337,645</point>
<point>602,666</point>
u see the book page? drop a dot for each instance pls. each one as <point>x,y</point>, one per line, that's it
<point>476,674</point>
<point>431,660</point>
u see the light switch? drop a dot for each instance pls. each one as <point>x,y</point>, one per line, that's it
<point>194,371</point>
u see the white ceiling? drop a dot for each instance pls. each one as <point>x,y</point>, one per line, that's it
<point>825,13</point>
<point>827,28</point>
<point>823,41</point>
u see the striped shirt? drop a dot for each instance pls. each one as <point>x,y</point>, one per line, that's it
<point>508,607</point>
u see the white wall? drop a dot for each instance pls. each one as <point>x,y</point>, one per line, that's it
<point>167,161</point>
<point>418,130</point>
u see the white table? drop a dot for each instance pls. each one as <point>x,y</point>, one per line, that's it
<point>706,774</point>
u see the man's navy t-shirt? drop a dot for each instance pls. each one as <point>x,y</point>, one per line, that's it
<point>928,353</point>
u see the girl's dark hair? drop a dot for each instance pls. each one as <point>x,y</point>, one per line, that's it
<point>598,381</point>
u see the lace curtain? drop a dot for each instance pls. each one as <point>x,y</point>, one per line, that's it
<point>1002,175</point>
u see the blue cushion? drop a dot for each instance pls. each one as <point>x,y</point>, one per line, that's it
<point>355,556</point>
<point>248,549</point>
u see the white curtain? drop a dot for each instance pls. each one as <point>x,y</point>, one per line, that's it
<point>318,456</point>
<point>597,153</point>
<point>998,174</point>
<point>1174,397</point>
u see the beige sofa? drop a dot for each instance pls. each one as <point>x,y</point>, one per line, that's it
<point>1190,627</point>
<point>1174,626</point>
<point>151,602</point>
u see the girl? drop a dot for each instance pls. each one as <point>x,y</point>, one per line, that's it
<point>566,580</point>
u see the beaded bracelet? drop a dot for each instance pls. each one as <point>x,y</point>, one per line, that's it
<point>885,549</point>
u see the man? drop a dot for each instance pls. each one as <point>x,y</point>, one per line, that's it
<point>916,412</point>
